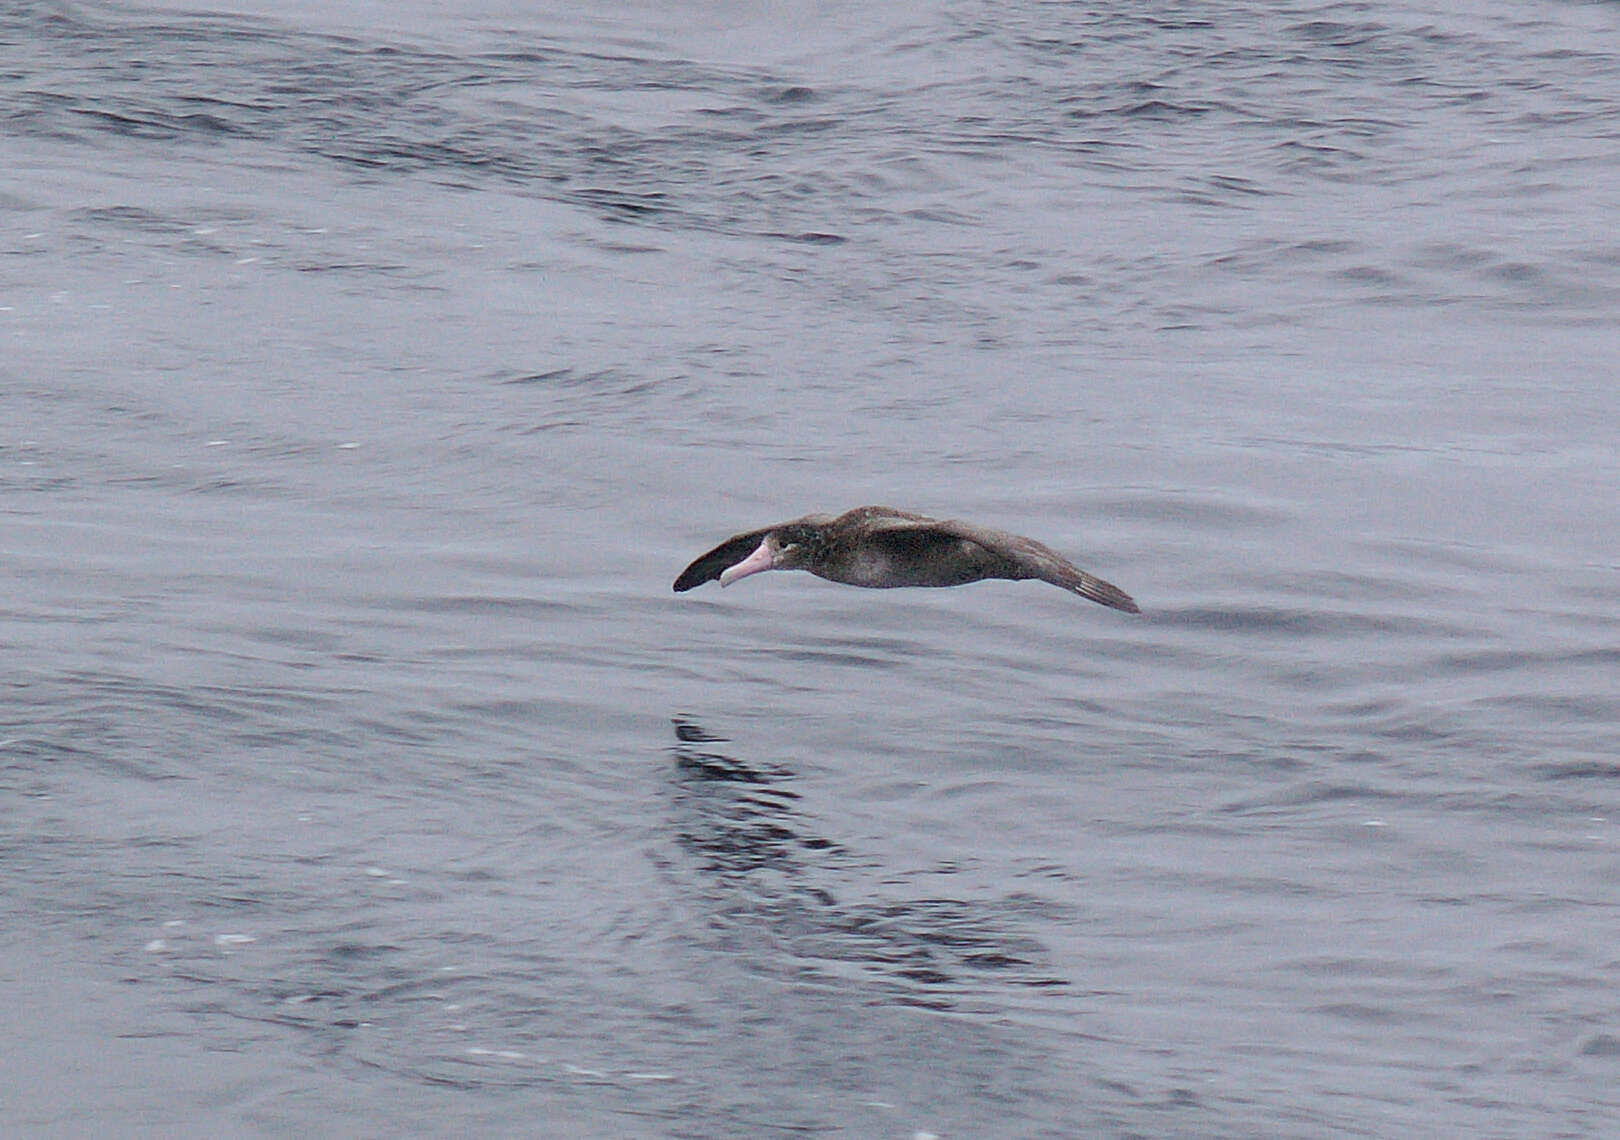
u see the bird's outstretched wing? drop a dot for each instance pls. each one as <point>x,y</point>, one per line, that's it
<point>1026,558</point>
<point>708,567</point>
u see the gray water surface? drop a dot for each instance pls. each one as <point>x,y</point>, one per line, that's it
<point>369,372</point>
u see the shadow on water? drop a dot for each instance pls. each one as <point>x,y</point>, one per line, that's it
<point>780,892</point>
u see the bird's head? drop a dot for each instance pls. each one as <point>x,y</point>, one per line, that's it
<point>792,547</point>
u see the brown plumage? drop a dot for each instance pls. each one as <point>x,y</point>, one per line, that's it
<point>881,547</point>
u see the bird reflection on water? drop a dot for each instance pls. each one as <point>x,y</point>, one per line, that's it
<point>739,817</point>
<point>780,893</point>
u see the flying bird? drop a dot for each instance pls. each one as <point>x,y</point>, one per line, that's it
<point>880,547</point>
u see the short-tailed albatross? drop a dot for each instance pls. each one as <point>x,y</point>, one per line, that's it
<point>882,547</point>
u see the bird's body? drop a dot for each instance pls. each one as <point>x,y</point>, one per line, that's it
<point>879,548</point>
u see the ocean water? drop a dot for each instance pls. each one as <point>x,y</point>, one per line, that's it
<point>368,372</point>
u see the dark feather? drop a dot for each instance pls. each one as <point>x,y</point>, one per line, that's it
<point>708,567</point>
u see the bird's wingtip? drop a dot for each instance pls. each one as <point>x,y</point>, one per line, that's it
<point>1105,593</point>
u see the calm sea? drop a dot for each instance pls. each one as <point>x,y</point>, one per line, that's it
<point>368,372</point>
